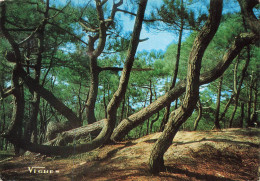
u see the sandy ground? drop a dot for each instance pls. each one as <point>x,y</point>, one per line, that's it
<point>231,154</point>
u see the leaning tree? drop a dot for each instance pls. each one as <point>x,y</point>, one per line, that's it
<point>180,115</point>
<point>94,51</point>
<point>22,79</point>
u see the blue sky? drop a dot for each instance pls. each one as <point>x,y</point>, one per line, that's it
<point>156,41</point>
<point>159,40</point>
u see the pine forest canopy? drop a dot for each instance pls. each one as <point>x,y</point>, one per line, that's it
<point>73,71</point>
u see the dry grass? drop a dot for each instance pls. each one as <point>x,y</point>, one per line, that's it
<point>231,154</point>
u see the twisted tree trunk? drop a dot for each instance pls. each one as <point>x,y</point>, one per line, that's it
<point>108,124</point>
<point>179,116</point>
<point>120,92</point>
<point>196,122</point>
<point>93,90</point>
<point>137,118</point>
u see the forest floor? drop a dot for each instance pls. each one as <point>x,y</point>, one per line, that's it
<point>230,154</point>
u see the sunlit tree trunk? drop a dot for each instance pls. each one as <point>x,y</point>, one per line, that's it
<point>240,42</point>
<point>254,114</point>
<point>217,125</point>
<point>150,101</point>
<point>175,74</point>
<point>104,100</point>
<point>242,115</point>
<point>238,89</point>
<point>248,14</point>
<point>226,108</point>
<point>249,103</point>
<point>139,117</point>
<point>123,109</point>
<point>180,115</point>
<point>153,121</point>
<point>196,123</point>
<point>120,92</point>
<point>93,91</point>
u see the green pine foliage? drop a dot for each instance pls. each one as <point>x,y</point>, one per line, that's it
<point>65,63</point>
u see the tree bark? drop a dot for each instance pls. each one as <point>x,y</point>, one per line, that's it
<point>226,108</point>
<point>15,128</point>
<point>74,121</point>
<point>153,121</point>
<point>176,69</point>
<point>242,115</point>
<point>3,115</point>
<point>249,103</point>
<point>3,121</point>
<point>250,18</point>
<point>217,125</point>
<point>196,123</point>
<point>109,123</point>
<point>238,89</point>
<point>69,136</point>
<point>120,92</point>
<point>179,116</point>
<point>104,101</point>
<point>135,119</point>
<point>32,124</point>
<point>150,101</point>
<point>94,53</point>
<point>93,90</point>
<point>255,101</point>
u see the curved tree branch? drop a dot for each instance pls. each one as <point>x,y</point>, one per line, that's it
<point>134,120</point>
<point>50,98</point>
<point>103,26</point>
<point>180,115</point>
<point>108,124</point>
<point>247,12</point>
<point>119,94</point>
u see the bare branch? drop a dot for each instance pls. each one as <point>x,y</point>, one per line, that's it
<point>56,14</point>
<point>102,30</point>
<point>50,98</point>
<point>133,14</point>
<point>124,79</point>
<point>86,28</point>
<point>113,12</point>
<point>68,32</point>
<point>103,2</point>
<point>120,69</point>
<point>134,120</point>
<point>142,69</point>
<point>31,35</point>
<point>142,40</point>
<point>6,93</point>
<point>112,68</point>
<point>20,29</point>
